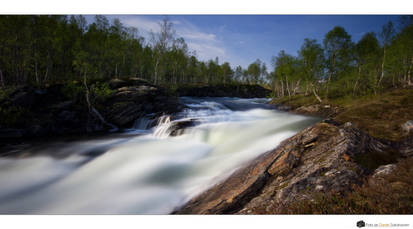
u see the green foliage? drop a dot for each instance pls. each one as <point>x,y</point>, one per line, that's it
<point>41,50</point>
<point>74,90</point>
<point>100,91</point>
<point>5,92</point>
<point>341,68</point>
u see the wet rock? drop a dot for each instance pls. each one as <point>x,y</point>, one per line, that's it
<point>320,158</point>
<point>284,107</point>
<point>178,127</point>
<point>121,114</point>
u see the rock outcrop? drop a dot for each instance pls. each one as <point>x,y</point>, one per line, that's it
<point>315,109</point>
<point>135,98</point>
<point>326,157</point>
<point>33,112</point>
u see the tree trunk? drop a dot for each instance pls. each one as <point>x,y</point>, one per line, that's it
<point>409,82</point>
<point>87,92</point>
<point>282,88</point>
<point>382,65</point>
<point>296,87</point>
<point>306,89</point>
<point>156,71</point>
<point>315,94</point>
<point>358,78</point>
<point>330,77</point>
<point>2,79</point>
<point>92,111</point>
<point>46,74</point>
<point>288,88</point>
<point>35,71</point>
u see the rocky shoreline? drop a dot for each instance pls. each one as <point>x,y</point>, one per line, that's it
<point>49,111</point>
<point>329,157</point>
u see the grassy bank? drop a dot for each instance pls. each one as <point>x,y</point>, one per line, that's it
<point>381,116</point>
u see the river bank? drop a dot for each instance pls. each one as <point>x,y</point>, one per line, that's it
<point>356,161</point>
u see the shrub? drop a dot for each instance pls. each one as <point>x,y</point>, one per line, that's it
<point>99,92</point>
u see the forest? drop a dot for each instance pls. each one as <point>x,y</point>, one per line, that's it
<point>40,50</point>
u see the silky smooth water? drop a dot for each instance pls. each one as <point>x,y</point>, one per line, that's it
<point>145,170</point>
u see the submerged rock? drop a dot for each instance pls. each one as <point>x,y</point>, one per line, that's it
<point>323,157</point>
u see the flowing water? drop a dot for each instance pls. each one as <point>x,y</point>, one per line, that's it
<point>145,170</point>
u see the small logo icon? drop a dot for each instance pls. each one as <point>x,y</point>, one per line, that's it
<point>361,223</point>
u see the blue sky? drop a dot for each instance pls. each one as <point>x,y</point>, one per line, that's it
<point>241,39</point>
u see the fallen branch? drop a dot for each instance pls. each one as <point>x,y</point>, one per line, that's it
<point>92,111</point>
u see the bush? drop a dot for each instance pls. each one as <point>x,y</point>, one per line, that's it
<point>99,92</point>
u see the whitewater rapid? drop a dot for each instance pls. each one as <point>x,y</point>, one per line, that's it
<point>145,170</point>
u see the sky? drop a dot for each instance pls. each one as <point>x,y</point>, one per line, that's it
<point>241,39</point>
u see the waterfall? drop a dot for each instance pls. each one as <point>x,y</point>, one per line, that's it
<point>163,128</point>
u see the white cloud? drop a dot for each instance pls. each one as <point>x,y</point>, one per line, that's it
<point>206,45</point>
<point>143,24</point>
<point>207,51</point>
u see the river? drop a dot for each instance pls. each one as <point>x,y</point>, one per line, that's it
<point>145,170</point>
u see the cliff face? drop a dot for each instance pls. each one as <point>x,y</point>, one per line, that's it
<point>327,158</point>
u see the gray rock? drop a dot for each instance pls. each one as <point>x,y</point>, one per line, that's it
<point>117,83</point>
<point>407,127</point>
<point>319,158</point>
<point>348,125</point>
<point>384,170</point>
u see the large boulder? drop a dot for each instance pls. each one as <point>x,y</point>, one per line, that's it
<point>137,99</point>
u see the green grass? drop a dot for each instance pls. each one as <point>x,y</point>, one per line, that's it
<point>381,116</point>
